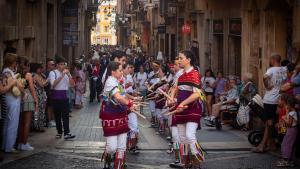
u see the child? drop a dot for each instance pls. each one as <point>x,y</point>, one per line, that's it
<point>281,126</point>
<point>287,146</point>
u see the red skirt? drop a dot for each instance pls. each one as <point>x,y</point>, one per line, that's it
<point>114,119</point>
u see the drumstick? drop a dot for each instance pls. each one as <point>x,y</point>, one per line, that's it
<point>142,116</point>
<point>165,94</point>
<point>176,111</point>
<point>171,113</point>
<point>168,109</point>
<point>160,100</point>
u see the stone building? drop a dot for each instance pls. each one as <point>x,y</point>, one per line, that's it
<point>44,28</point>
<point>232,36</point>
<point>105,33</point>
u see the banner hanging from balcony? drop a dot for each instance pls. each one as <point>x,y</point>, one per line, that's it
<point>235,27</point>
<point>186,28</point>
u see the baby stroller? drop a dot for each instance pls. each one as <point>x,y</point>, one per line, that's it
<point>257,108</point>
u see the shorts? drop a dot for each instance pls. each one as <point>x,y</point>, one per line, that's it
<point>269,112</point>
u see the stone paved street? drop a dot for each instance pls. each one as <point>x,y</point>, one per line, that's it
<point>226,149</point>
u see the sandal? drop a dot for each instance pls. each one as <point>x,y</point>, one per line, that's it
<point>283,163</point>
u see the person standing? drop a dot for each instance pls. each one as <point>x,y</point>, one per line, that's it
<point>273,79</point>
<point>50,66</point>
<point>60,80</point>
<point>188,111</point>
<point>13,103</point>
<point>95,84</point>
<point>29,105</point>
<point>113,113</point>
<point>39,118</point>
<point>80,86</point>
<point>208,82</point>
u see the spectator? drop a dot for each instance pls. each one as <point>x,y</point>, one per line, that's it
<point>220,84</point>
<point>273,79</point>
<point>13,103</point>
<point>95,81</point>
<point>227,101</point>
<point>286,87</point>
<point>39,118</point>
<point>60,80</point>
<point>247,92</point>
<point>80,86</point>
<point>208,82</point>
<point>28,106</point>
<point>50,66</point>
<point>141,78</point>
<point>288,143</point>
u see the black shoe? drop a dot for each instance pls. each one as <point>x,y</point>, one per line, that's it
<point>176,164</point>
<point>134,152</point>
<point>69,136</point>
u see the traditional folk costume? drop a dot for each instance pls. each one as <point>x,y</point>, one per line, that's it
<point>115,124</point>
<point>153,79</point>
<point>132,139</point>
<point>174,128</point>
<point>159,108</point>
<point>188,120</point>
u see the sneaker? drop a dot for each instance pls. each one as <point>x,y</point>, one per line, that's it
<point>26,147</point>
<point>13,150</point>
<point>58,136</point>
<point>69,136</point>
<point>207,118</point>
<point>210,123</point>
<point>52,124</point>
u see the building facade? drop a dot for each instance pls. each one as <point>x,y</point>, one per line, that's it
<point>44,28</point>
<point>231,36</point>
<point>105,33</point>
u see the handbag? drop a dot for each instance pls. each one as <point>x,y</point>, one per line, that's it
<point>243,117</point>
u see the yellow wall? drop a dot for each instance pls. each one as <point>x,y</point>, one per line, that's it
<point>104,29</point>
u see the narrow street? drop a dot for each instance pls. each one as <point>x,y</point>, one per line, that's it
<point>226,149</point>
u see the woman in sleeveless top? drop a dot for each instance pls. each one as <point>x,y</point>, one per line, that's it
<point>28,106</point>
<point>13,103</point>
<point>39,117</point>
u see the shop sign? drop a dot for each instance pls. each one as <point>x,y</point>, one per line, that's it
<point>186,29</point>
<point>161,29</point>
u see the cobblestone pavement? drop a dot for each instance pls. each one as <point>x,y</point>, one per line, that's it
<point>226,149</point>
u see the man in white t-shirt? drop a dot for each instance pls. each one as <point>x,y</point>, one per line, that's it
<point>60,80</point>
<point>273,79</point>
